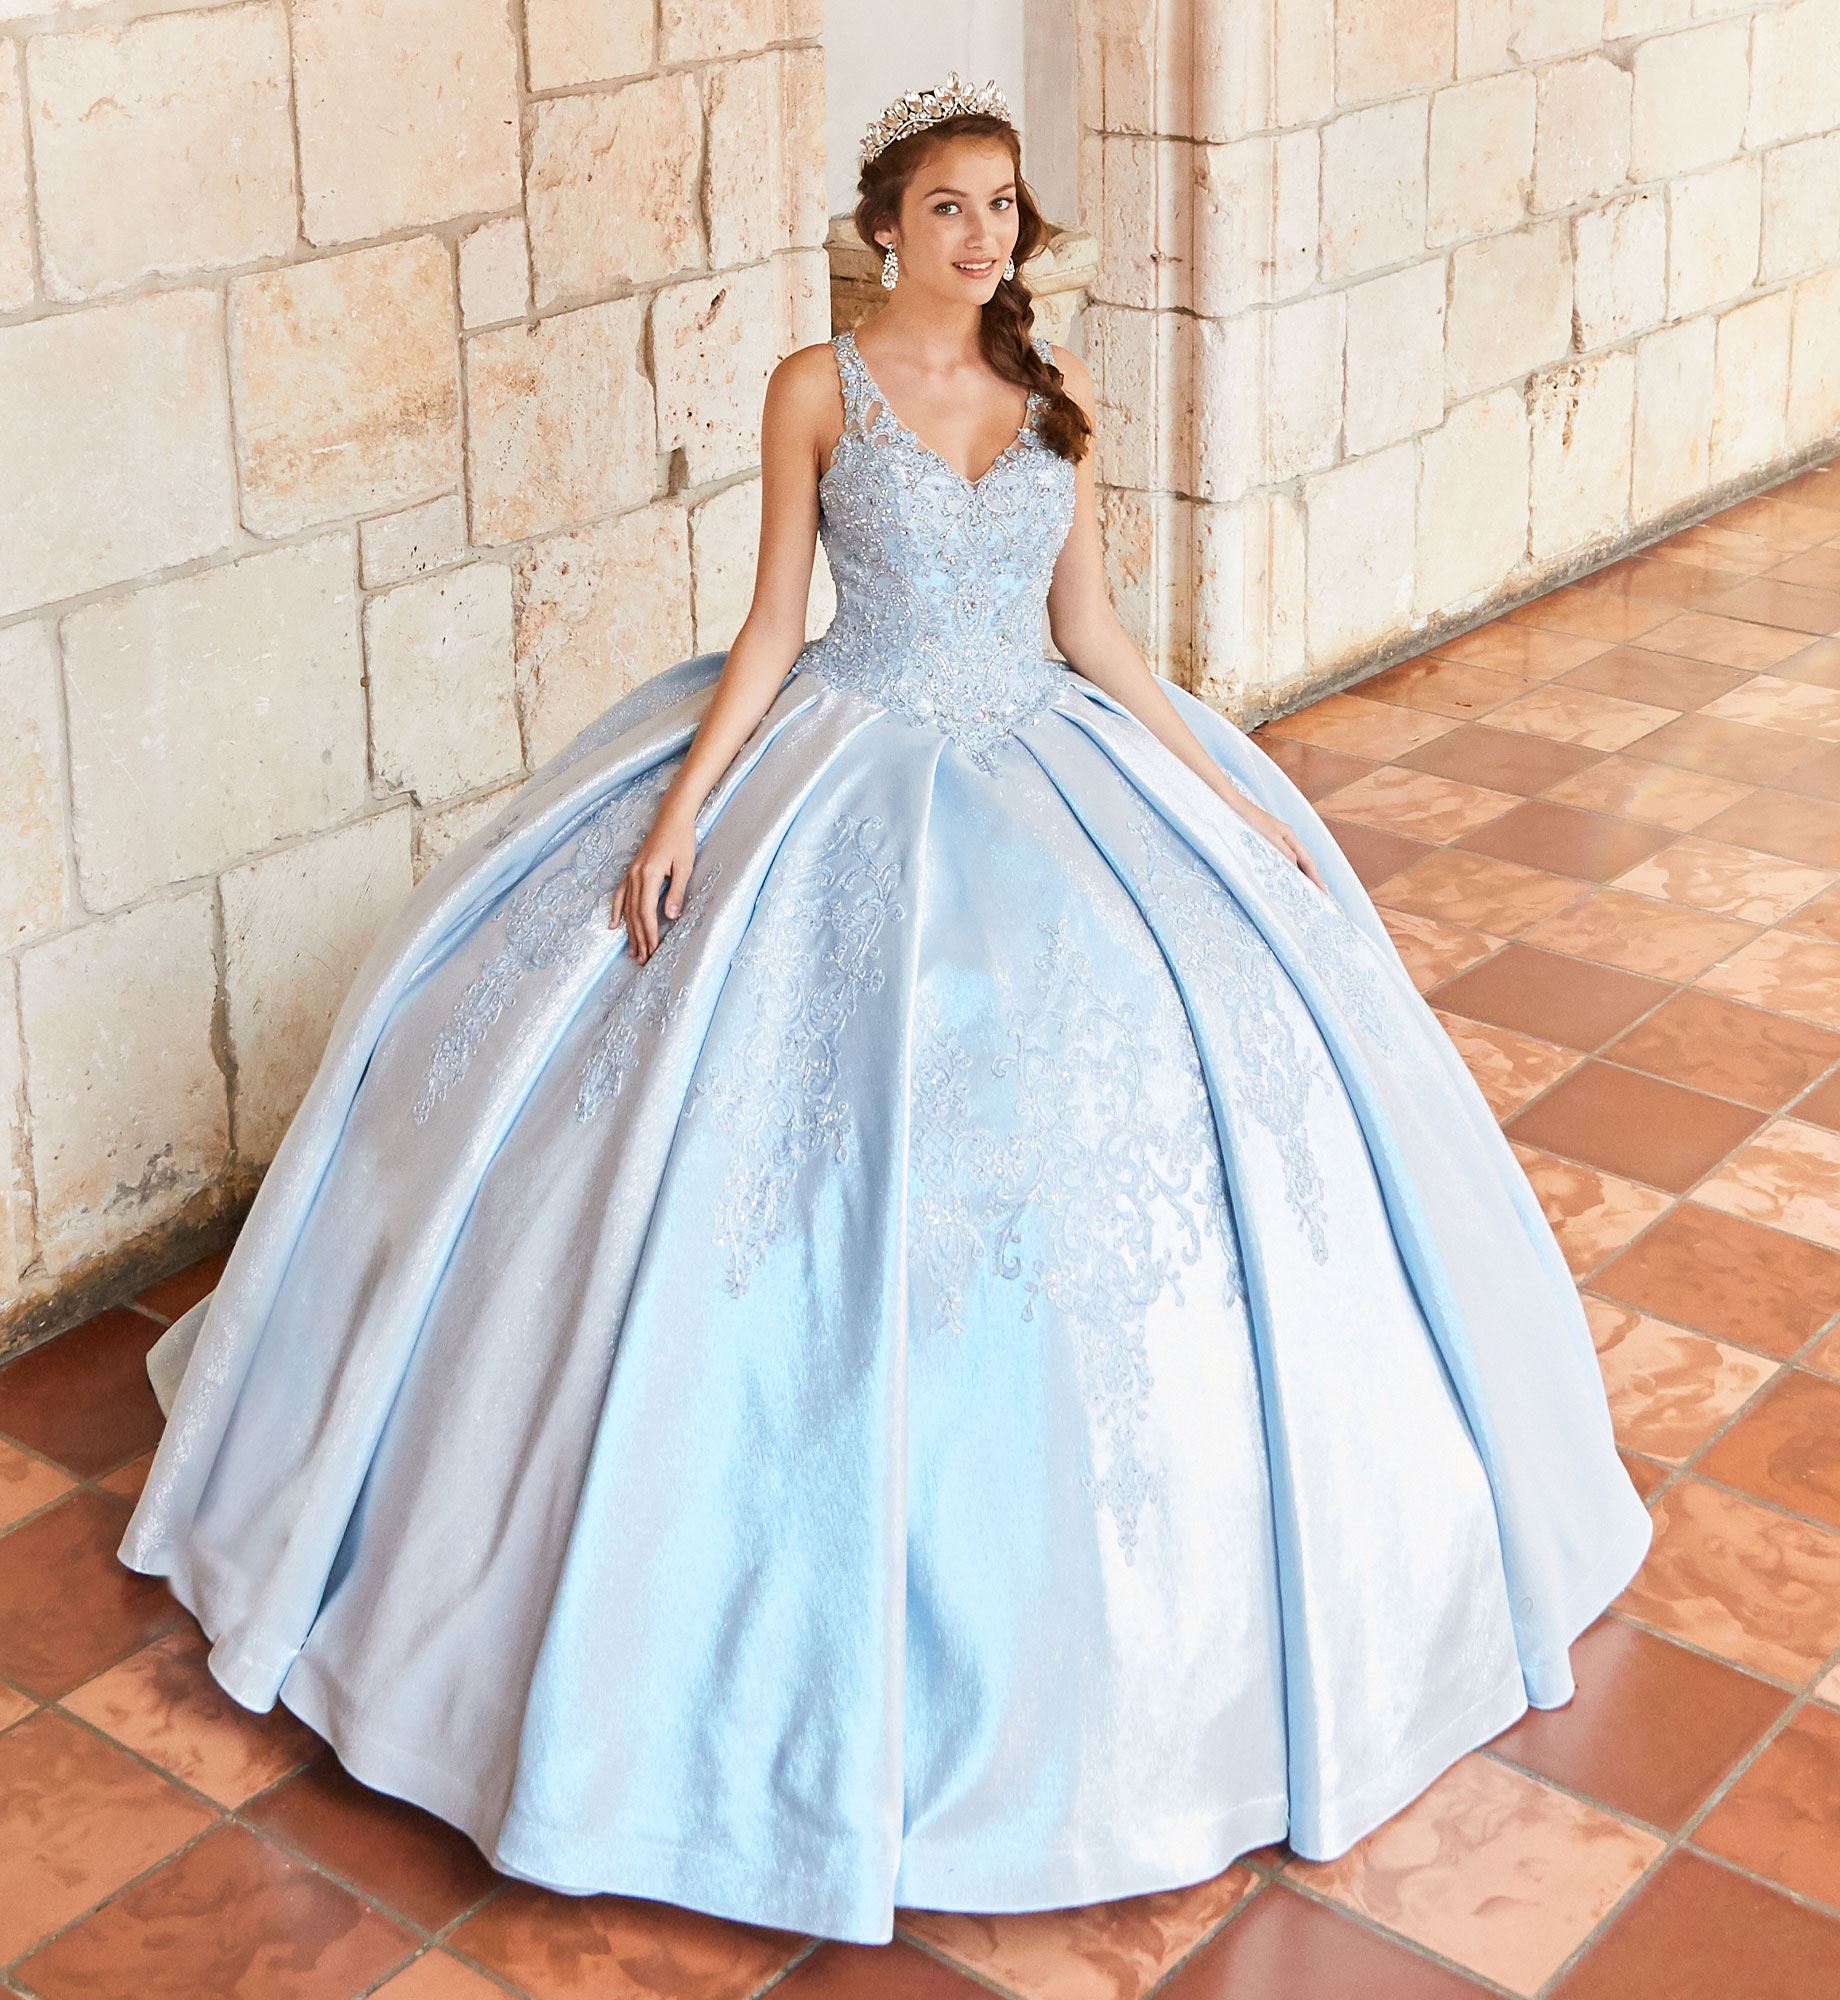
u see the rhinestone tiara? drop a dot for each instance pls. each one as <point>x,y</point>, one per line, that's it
<point>954,98</point>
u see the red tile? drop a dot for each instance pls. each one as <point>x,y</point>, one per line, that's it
<point>1373,853</point>
<point>1503,760</point>
<point>1636,675</point>
<point>27,1483</point>
<point>1728,1050</point>
<point>1313,767</point>
<point>1547,993</point>
<point>1635,1125</point>
<point>1782,1818</point>
<point>1797,606</point>
<point>83,1398</point>
<point>1567,841</point>
<point>1785,1448</point>
<point>172,1296</point>
<point>867,1972</point>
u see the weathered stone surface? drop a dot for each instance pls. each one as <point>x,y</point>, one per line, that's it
<point>613,185</point>
<point>1795,71</point>
<point>16,282</point>
<point>724,542</point>
<point>32,891</point>
<point>161,146</point>
<point>1472,503</point>
<point>1539,29</point>
<point>237,690</point>
<point>1510,307</point>
<point>115,432</point>
<point>443,705</point>
<point>407,112</point>
<point>1750,387</point>
<point>1801,207</point>
<point>707,30</point>
<point>1582,418</point>
<point>398,546</point>
<point>1383,47</point>
<point>587,41</point>
<point>18,1225</point>
<point>439,832</point>
<point>1301,386</point>
<point>1673,417</point>
<point>1814,360</point>
<point>1714,236</point>
<point>1581,136</point>
<point>296,928</point>
<point>1229,430</point>
<point>1484,28</point>
<point>1481,156</point>
<point>1373,187</point>
<point>1620,256</point>
<point>559,421</point>
<point>494,272</point>
<point>714,343</point>
<point>344,379</point>
<point>598,612</point>
<point>1395,356</point>
<point>1359,529</point>
<point>129,1114</point>
<point>1690,96</point>
<point>766,155</point>
<point>1249,597</point>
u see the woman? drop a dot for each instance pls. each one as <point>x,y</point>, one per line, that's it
<point>990,1354</point>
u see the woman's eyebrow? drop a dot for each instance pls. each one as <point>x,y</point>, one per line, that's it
<point>929,194</point>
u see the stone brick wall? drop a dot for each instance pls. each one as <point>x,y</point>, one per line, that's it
<point>1411,307</point>
<point>379,398</point>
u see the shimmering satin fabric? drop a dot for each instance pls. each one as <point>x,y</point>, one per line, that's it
<point>1007,1364</point>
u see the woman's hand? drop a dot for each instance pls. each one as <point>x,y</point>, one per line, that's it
<point>667,853</point>
<point>1281,837</point>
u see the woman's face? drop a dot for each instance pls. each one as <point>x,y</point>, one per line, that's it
<point>958,219</point>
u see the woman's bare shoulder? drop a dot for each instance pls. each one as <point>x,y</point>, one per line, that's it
<point>808,374</point>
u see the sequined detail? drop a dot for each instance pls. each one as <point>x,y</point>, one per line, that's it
<point>942,581</point>
<point>1116,1198</point>
<point>806,959</point>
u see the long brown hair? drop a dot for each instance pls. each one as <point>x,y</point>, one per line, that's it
<point>1009,313</point>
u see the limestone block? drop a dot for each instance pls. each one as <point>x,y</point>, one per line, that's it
<point>1673,442</point>
<point>1383,47</point>
<point>395,547</point>
<point>766,153</point>
<point>724,543</point>
<point>407,112</point>
<point>1714,236</point>
<point>495,272</point>
<point>439,832</point>
<point>1249,597</point>
<point>1395,356</point>
<point>115,432</point>
<point>714,343</point>
<point>343,372</point>
<point>32,891</point>
<point>18,1225</point>
<point>238,692</point>
<point>296,928</point>
<point>613,187</point>
<point>128,1106</point>
<point>1148,179</point>
<point>1582,417</point>
<point>1814,360</point>
<point>1255,214</point>
<point>1691,91</point>
<point>1481,156</point>
<point>1510,307</point>
<point>1795,71</point>
<point>1801,207</point>
<point>1751,387</point>
<point>16,284</point>
<point>1301,395</point>
<point>1540,29</point>
<point>707,30</point>
<point>1359,531</point>
<point>560,422</point>
<point>1626,18</point>
<point>1581,135</point>
<point>1229,430</point>
<point>806,275</point>
<point>443,708</point>
<point>1472,502</point>
<point>1217,73</point>
<point>1620,256</point>
<point>1484,28</point>
<point>1373,187</point>
<point>587,41</point>
<point>598,612</point>
<point>163,145</point>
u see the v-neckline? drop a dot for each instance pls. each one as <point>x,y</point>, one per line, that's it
<point>920,443</point>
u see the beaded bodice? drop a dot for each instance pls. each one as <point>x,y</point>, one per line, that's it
<point>941,580</point>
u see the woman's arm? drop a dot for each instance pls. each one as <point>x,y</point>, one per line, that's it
<point>1094,643</point>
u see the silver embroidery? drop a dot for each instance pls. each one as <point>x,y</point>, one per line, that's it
<point>1082,1161</point>
<point>948,632</point>
<point>807,957</point>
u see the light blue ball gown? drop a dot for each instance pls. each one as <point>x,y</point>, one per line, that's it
<point>1007,1364</point>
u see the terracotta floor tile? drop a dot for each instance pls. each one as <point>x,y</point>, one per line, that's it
<point>1578,715</point>
<point>78,1818</point>
<point>1373,854</point>
<point>436,1976</point>
<point>1819,486</point>
<point>1724,641</point>
<point>1444,686</point>
<point>68,1606</point>
<point>1817,662</point>
<point>1593,1214</point>
<point>1824,1356</point>
<point>27,1483</point>
<point>583,1947</point>
<point>1420,805</point>
<point>1636,674</point>
<point>127,1480</point>
<point>1312,768</point>
<point>1504,760</point>
<point>14,1706</point>
<point>1670,1388</point>
<point>1640,576</point>
<point>1786,1447</point>
<point>1634,1125</point>
<point>172,1296</point>
<point>1827,1688</point>
<point>1644,1474</point>
<point>1696,1931</point>
<point>1510,1069</point>
<point>1748,1053</point>
<point>384,1847</point>
<point>231,1917</point>
<point>1774,701</point>
<point>1795,606</point>
<point>1516,648</point>
<point>1551,995</point>
<point>1704,1268</point>
<point>1503,897</point>
<point>1782,1818</point>
<point>1741,1580</point>
<point>1584,614</point>
<point>1736,751</point>
<point>1432,949</point>
<point>1819,567</point>
<point>1565,840</point>
<point>1734,881</point>
<point>1657,794</point>
<point>1369,728</point>
<point>1782,516</point>
<point>163,1702</point>
<point>1652,1729</point>
<point>860,1972</point>
<point>1783,970</point>
<point>1491,1868</point>
<point>1098,1952</point>
<point>1822,1104</point>
<point>83,1399</point>
<point>1819,917</point>
<point>1797,828</point>
<point>1642,934</point>
<point>1284,1946</point>
<point>1787,1176</point>
<point>1719,550</point>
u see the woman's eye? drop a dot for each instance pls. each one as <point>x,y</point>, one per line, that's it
<point>1006,201</point>
<point>940,207</point>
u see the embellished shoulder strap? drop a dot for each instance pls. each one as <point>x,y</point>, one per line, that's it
<point>858,390</point>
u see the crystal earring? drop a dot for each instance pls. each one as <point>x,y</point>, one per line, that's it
<point>1009,267</point>
<point>891,268</point>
